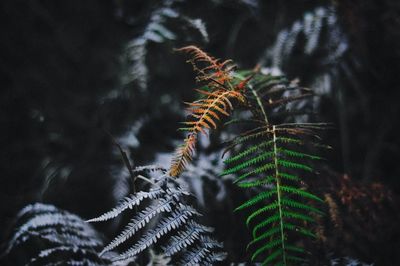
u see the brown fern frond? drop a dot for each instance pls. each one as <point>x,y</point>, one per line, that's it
<point>205,113</point>
<point>208,68</point>
<point>183,155</point>
<point>217,102</point>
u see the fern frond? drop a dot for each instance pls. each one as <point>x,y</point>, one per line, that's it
<point>56,252</point>
<point>166,216</point>
<point>183,156</point>
<point>216,257</point>
<point>270,232</point>
<point>258,170</point>
<point>301,193</point>
<point>253,161</point>
<point>268,207</point>
<point>149,168</point>
<point>36,208</point>
<point>48,220</point>
<point>188,236</point>
<point>211,69</point>
<point>206,112</point>
<point>289,164</point>
<point>260,197</point>
<point>299,205</point>
<point>162,205</point>
<point>277,207</point>
<point>256,183</point>
<point>271,244</point>
<point>60,234</point>
<point>209,242</point>
<point>299,216</point>
<point>178,217</point>
<point>201,254</point>
<point>127,203</point>
<point>249,151</point>
<point>297,154</point>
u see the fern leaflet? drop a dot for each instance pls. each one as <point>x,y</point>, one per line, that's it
<point>174,220</point>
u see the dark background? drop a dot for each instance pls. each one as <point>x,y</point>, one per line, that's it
<point>67,75</point>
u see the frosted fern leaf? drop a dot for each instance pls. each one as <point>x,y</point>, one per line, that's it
<point>164,216</point>
<point>184,238</point>
<point>65,239</point>
<point>127,203</point>
<point>163,205</point>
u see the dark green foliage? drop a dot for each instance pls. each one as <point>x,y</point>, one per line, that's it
<point>279,210</point>
<point>272,161</point>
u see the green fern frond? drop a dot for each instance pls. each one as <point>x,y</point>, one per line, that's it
<point>253,161</point>
<point>260,197</point>
<point>258,170</point>
<point>270,232</point>
<point>256,183</point>
<point>289,164</point>
<point>295,204</point>
<point>272,206</point>
<point>268,221</point>
<point>282,208</point>
<point>297,154</point>
<point>295,259</point>
<point>249,151</point>
<point>294,248</point>
<point>299,216</point>
<point>299,229</point>
<point>300,192</point>
<point>272,257</point>
<point>266,247</point>
<point>288,176</point>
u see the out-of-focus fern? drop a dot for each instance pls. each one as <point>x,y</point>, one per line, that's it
<point>322,35</point>
<point>57,237</point>
<point>157,30</point>
<point>272,159</point>
<point>184,239</point>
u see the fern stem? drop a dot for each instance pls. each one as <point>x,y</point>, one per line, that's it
<point>278,190</point>
<point>259,104</point>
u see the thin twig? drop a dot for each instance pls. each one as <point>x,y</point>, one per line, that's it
<point>125,159</point>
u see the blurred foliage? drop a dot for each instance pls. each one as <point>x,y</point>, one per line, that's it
<point>67,79</point>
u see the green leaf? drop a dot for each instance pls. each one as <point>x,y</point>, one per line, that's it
<point>289,176</point>
<point>256,160</point>
<point>266,222</point>
<point>270,232</point>
<point>245,138</point>
<point>266,247</point>
<point>294,248</point>
<point>296,259</point>
<point>256,183</point>
<point>272,256</point>
<point>260,197</point>
<point>268,207</point>
<point>288,140</point>
<point>258,170</point>
<point>289,164</point>
<point>300,192</point>
<point>249,151</point>
<point>296,204</point>
<point>299,229</point>
<point>293,153</point>
<point>296,215</point>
